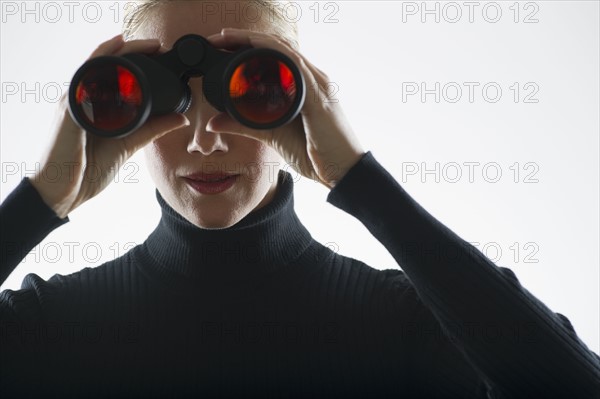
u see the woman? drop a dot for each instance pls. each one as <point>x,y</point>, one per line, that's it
<point>231,296</point>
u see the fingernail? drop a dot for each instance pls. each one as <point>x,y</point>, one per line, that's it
<point>116,38</point>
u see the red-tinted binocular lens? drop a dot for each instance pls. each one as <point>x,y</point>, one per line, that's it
<point>109,97</point>
<point>262,89</point>
<point>113,96</point>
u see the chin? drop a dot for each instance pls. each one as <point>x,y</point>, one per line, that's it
<point>214,226</point>
<point>215,221</point>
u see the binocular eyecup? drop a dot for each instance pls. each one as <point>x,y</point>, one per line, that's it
<point>112,96</point>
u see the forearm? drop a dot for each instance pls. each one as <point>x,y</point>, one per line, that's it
<point>25,220</point>
<point>45,191</point>
<point>519,344</point>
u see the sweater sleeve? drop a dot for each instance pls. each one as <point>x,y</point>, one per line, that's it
<point>518,346</point>
<point>25,220</point>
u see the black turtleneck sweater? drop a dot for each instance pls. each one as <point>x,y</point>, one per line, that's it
<point>262,309</point>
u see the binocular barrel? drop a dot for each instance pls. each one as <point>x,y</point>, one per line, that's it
<point>112,96</point>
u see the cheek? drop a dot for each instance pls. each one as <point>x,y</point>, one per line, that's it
<point>263,154</point>
<point>264,162</point>
<point>158,159</point>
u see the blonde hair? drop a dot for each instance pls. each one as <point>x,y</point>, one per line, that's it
<point>137,13</point>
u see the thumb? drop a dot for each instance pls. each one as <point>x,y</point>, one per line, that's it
<point>155,128</point>
<point>223,123</point>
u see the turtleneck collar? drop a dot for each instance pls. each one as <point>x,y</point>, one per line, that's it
<point>265,241</point>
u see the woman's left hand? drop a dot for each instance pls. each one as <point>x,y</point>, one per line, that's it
<point>319,143</point>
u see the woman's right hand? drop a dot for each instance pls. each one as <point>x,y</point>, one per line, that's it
<point>79,165</point>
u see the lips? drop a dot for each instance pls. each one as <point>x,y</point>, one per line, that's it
<point>211,184</point>
<point>209,177</point>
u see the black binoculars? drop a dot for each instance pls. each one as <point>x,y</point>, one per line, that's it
<point>112,96</point>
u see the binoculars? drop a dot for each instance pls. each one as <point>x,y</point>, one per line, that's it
<point>112,96</point>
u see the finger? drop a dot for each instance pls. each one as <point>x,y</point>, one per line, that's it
<point>147,46</point>
<point>323,80</point>
<point>321,76</point>
<point>229,42</point>
<point>316,80</point>
<point>223,123</point>
<point>231,37</point>
<point>234,36</point>
<point>108,47</point>
<point>154,128</point>
<point>315,84</point>
<point>118,47</point>
<point>242,35</point>
<point>214,35</point>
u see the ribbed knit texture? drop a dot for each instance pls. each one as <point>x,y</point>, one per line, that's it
<point>262,310</point>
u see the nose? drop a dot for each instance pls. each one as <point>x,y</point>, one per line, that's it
<point>199,114</point>
<point>202,141</point>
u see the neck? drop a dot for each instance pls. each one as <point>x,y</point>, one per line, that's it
<point>263,242</point>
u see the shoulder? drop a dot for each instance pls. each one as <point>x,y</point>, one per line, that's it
<point>394,279</point>
<point>381,288</point>
<point>38,296</point>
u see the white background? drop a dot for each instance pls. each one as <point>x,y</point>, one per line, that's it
<point>373,51</point>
